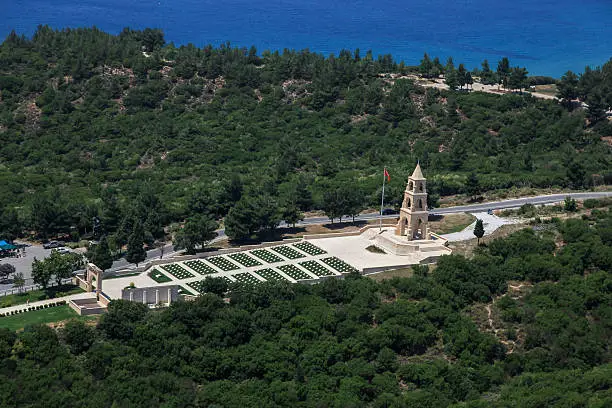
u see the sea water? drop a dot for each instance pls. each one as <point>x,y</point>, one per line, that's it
<point>548,37</point>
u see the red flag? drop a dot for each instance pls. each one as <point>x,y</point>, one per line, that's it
<point>387,175</point>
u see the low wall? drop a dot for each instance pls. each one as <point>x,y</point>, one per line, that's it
<point>151,295</point>
<point>345,234</point>
<point>436,237</point>
<point>378,269</point>
<point>87,307</point>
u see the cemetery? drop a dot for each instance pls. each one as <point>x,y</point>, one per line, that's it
<point>270,274</point>
<point>294,272</point>
<point>177,271</point>
<point>288,252</point>
<point>223,263</point>
<point>316,268</point>
<point>200,267</point>
<point>266,255</point>
<point>243,259</point>
<point>309,248</point>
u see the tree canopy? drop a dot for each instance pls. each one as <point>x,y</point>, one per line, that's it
<point>418,341</point>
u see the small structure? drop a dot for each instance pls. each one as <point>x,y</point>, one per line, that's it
<point>413,214</point>
<point>152,296</point>
<point>95,305</point>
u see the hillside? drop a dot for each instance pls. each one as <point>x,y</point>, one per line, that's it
<point>91,122</point>
<point>353,342</point>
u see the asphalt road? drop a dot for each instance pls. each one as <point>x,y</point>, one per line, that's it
<point>482,207</point>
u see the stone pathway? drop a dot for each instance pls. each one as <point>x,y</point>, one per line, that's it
<point>491,223</point>
<point>84,295</point>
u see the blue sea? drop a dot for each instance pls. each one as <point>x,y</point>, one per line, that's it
<point>548,37</point>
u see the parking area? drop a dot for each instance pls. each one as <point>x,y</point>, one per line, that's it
<point>23,263</point>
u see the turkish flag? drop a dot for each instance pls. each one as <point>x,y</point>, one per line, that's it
<point>387,175</point>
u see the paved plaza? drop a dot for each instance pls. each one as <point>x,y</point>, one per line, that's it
<point>298,262</point>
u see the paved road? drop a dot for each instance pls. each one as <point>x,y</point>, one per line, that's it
<point>483,207</point>
<point>515,203</point>
<point>473,208</point>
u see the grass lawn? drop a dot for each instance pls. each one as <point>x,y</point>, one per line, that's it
<point>50,315</point>
<point>451,223</point>
<point>158,277</point>
<point>35,295</point>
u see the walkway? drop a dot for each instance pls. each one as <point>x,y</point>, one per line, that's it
<point>84,295</point>
<point>491,223</point>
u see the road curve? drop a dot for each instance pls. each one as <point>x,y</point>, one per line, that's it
<point>481,207</point>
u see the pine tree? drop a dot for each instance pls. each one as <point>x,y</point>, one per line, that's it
<point>479,230</point>
<point>100,255</point>
<point>450,75</point>
<point>426,66</point>
<point>135,251</point>
<point>503,71</point>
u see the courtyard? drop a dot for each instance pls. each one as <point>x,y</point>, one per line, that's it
<point>298,262</point>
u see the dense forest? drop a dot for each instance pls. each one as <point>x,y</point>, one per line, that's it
<point>131,131</point>
<point>354,342</point>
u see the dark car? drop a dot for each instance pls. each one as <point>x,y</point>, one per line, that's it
<point>53,244</point>
<point>389,211</point>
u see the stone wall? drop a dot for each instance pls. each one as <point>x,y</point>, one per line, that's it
<point>152,295</point>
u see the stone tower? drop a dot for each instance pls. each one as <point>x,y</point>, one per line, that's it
<point>413,214</point>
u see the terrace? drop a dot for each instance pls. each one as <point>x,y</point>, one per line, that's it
<point>223,263</point>
<point>266,255</point>
<point>177,271</point>
<point>316,268</point>
<point>200,267</point>
<point>271,275</point>
<point>244,259</point>
<point>288,252</point>
<point>246,278</point>
<point>339,265</point>
<point>294,272</point>
<point>309,248</point>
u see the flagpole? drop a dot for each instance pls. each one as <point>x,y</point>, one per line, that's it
<point>382,199</point>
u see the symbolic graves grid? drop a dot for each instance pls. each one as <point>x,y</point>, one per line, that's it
<point>309,248</point>
<point>246,278</point>
<point>200,267</point>
<point>266,255</point>
<point>244,259</point>
<point>197,285</point>
<point>270,274</point>
<point>294,272</point>
<point>339,265</point>
<point>288,252</point>
<point>316,268</point>
<point>177,271</point>
<point>183,291</point>
<point>223,263</point>
<point>158,277</point>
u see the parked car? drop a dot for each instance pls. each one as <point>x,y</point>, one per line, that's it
<point>53,244</point>
<point>62,250</point>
